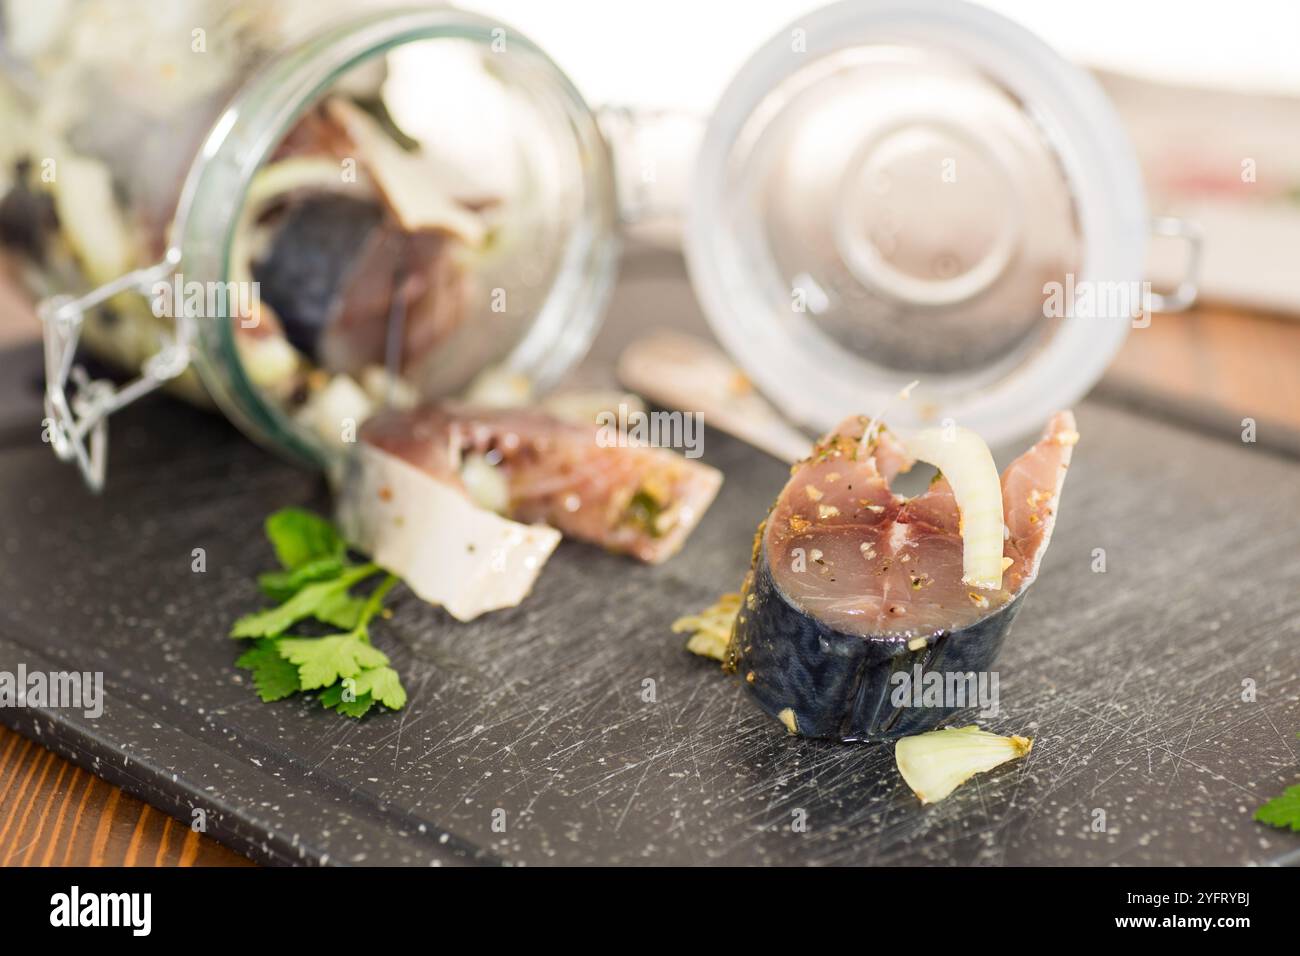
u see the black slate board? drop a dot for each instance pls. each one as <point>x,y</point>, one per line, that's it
<point>1130,681</point>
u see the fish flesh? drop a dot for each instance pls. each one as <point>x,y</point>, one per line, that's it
<point>638,500</point>
<point>851,583</point>
<point>337,270</point>
<point>357,272</point>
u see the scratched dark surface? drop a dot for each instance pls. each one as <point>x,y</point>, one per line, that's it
<point>1130,681</point>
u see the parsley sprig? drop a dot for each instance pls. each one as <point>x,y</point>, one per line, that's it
<point>1282,811</point>
<point>315,583</point>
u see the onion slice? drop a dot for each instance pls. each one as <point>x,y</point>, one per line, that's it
<point>937,763</point>
<point>407,181</point>
<point>966,462</point>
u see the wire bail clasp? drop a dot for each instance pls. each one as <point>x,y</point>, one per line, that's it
<point>1184,294</point>
<point>76,419</point>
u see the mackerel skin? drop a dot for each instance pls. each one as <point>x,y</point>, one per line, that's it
<point>837,685</point>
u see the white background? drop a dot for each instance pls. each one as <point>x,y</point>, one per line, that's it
<point>680,53</point>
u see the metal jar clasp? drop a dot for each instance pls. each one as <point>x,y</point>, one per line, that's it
<point>1183,295</point>
<point>76,417</point>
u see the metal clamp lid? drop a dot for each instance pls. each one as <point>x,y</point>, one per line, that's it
<point>76,419</point>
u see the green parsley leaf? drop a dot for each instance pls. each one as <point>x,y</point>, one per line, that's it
<point>275,621</point>
<point>349,705</point>
<point>300,537</point>
<point>282,585</point>
<point>356,708</point>
<point>384,685</point>
<point>315,582</point>
<point>332,696</point>
<point>323,660</point>
<point>1283,811</point>
<point>343,611</point>
<point>274,677</point>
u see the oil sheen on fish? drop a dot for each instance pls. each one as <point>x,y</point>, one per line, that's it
<point>852,583</point>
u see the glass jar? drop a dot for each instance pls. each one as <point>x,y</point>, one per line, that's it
<point>894,192</point>
<point>151,166</point>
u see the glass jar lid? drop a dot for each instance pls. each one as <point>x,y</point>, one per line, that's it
<point>891,191</point>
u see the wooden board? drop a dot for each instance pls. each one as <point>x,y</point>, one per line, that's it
<point>1131,680</point>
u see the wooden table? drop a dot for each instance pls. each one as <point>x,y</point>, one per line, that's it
<point>1212,367</point>
<point>55,814</point>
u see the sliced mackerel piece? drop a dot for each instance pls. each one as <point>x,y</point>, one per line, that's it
<point>641,501</point>
<point>851,583</point>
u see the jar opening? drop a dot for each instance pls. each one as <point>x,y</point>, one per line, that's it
<point>408,200</point>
